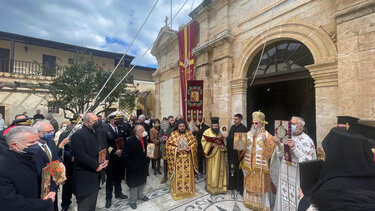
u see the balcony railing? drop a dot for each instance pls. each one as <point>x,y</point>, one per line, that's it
<point>27,68</point>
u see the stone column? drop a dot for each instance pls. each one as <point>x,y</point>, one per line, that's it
<point>239,98</point>
<point>326,98</point>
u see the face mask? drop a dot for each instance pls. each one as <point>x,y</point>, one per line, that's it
<point>294,128</point>
<point>144,134</point>
<point>48,136</point>
<point>63,128</point>
<point>117,123</point>
<point>131,123</point>
<point>147,121</point>
<point>30,150</point>
<point>102,120</point>
<point>95,126</point>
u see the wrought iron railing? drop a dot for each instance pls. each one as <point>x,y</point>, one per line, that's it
<point>27,68</point>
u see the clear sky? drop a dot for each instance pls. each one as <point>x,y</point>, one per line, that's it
<point>101,24</point>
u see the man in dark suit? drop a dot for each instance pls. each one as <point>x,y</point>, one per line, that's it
<point>134,155</point>
<point>115,169</point>
<point>65,152</point>
<point>47,150</point>
<point>86,177</point>
<point>19,185</point>
<point>53,121</point>
<point>38,115</point>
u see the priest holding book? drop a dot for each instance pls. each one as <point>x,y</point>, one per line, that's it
<point>214,150</point>
<point>300,148</point>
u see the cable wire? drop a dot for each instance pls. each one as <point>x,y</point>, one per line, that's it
<point>264,45</point>
<point>123,56</point>
<point>139,60</point>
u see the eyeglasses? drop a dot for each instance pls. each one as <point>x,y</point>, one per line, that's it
<point>255,123</point>
<point>48,131</point>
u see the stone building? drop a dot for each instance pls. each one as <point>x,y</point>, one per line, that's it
<point>20,59</point>
<point>318,61</point>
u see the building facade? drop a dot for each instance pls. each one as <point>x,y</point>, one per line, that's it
<point>20,64</point>
<point>318,61</point>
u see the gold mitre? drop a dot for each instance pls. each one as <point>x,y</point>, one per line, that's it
<point>259,116</point>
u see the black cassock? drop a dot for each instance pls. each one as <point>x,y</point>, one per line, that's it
<point>235,174</point>
<point>202,127</point>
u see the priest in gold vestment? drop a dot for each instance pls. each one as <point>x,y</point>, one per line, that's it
<point>214,150</point>
<point>181,151</point>
<point>255,165</point>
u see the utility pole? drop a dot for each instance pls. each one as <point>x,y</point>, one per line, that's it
<point>171,14</point>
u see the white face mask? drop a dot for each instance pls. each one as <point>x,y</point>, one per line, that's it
<point>144,134</point>
<point>63,128</point>
<point>147,121</point>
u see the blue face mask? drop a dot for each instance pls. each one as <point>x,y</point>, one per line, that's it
<point>30,150</point>
<point>294,128</point>
<point>48,136</point>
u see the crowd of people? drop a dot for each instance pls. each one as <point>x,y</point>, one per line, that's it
<point>114,148</point>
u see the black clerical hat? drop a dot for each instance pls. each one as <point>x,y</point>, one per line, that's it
<point>214,120</point>
<point>347,119</point>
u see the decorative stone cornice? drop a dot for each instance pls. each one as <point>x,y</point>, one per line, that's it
<point>238,86</point>
<point>324,74</point>
<point>220,38</point>
<point>355,11</point>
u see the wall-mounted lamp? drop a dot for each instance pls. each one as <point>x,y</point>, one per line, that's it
<point>26,48</point>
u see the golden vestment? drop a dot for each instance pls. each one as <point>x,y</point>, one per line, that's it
<point>216,177</point>
<point>182,164</point>
<point>255,165</point>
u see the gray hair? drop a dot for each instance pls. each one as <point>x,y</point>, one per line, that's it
<point>87,117</point>
<point>300,120</point>
<point>39,125</point>
<point>137,128</point>
<point>142,116</point>
<point>18,133</point>
<point>49,116</point>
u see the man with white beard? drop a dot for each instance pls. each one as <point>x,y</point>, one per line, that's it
<point>287,174</point>
<point>260,146</point>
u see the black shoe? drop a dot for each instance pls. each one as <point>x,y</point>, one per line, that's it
<point>159,171</point>
<point>121,196</point>
<point>108,204</point>
<point>64,208</point>
<point>133,206</point>
<point>144,198</point>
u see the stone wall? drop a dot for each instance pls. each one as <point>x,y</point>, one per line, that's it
<point>339,34</point>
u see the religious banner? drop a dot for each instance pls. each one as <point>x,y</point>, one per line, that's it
<point>186,60</point>
<point>283,133</point>
<point>194,101</point>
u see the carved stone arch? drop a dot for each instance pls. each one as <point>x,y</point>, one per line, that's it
<point>316,40</point>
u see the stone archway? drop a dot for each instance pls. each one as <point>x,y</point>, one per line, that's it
<point>323,71</point>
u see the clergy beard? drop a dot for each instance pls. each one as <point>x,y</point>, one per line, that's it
<point>255,131</point>
<point>215,131</point>
<point>182,131</point>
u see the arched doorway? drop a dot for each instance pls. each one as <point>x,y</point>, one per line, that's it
<point>283,87</point>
